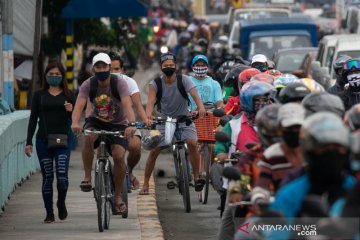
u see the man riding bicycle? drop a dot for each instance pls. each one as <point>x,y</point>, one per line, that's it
<point>109,112</point>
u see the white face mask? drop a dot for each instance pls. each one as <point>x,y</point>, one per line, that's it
<point>200,71</point>
<point>354,79</point>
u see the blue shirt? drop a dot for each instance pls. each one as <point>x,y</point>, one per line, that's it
<point>208,90</point>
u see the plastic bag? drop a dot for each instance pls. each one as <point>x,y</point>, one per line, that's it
<point>170,127</point>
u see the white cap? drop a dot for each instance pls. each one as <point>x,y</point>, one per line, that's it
<point>291,114</point>
<point>259,58</point>
<point>101,57</point>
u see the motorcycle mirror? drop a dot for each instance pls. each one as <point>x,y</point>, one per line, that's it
<point>221,137</point>
<point>219,112</point>
<point>231,173</point>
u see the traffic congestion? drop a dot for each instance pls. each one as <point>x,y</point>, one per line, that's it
<point>252,107</point>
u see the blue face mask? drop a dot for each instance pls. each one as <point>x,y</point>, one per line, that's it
<point>102,76</point>
<point>54,80</point>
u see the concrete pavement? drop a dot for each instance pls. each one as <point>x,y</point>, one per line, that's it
<point>24,214</point>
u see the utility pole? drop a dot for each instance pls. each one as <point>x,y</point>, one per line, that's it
<point>37,39</point>
<point>7,51</point>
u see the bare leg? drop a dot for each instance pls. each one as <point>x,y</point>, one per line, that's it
<point>88,156</point>
<point>134,154</point>
<point>150,164</point>
<point>118,153</point>
<point>194,157</point>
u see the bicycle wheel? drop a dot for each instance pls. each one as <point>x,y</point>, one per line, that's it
<point>100,195</point>
<point>109,186</point>
<point>205,171</point>
<point>184,180</point>
<point>124,196</point>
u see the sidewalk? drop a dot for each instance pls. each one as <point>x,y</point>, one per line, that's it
<point>24,213</point>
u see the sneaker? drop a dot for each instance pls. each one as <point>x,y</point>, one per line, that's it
<point>50,218</point>
<point>62,211</point>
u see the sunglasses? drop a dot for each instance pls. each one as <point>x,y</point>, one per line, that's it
<point>260,66</point>
<point>352,64</point>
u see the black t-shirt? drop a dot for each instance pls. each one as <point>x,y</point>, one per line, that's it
<point>49,113</point>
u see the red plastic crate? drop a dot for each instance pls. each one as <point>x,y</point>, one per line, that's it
<point>206,126</point>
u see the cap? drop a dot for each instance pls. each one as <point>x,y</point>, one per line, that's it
<point>259,58</point>
<point>291,114</point>
<point>198,58</point>
<point>167,56</point>
<point>101,57</point>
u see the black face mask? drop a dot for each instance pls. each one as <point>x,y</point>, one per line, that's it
<point>291,138</point>
<point>102,76</point>
<point>168,71</point>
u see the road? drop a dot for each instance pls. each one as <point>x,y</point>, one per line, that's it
<point>203,220</point>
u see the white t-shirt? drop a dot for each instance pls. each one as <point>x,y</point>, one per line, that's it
<point>132,85</point>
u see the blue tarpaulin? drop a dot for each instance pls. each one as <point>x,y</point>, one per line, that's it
<point>103,8</point>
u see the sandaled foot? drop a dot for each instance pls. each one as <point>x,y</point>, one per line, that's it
<point>50,218</point>
<point>199,184</point>
<point>135,184</point>
<point>144,190</point>
<point>85,186</point>
<point>120,208</point>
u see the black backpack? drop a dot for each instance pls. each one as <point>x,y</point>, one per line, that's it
<point>113,88</point>
<point>180,86</point>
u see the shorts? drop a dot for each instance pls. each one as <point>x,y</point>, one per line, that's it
<point>188,133</point>
<point>95,123</point>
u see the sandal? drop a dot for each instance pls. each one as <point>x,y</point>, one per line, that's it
<point>144,191</point>
<point>199,184</point>
<point>85,186</point>
<point>120,208</point>
<point>135,184</point>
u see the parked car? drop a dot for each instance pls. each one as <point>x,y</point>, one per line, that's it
<point>290,59</point>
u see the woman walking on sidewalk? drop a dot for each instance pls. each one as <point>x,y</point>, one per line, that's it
<point>52,105</point>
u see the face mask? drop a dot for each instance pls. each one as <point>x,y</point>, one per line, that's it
<point>102,76</point>
<point>260,67</point>
<point>260,103</point>
<point>291,138</point>
<point>200,71</point>
<point>168,71</point>
<point>54,80</point>
<point>354,79</point>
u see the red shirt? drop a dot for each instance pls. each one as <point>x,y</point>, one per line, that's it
<point>247,134</point>
<point>232,106</point>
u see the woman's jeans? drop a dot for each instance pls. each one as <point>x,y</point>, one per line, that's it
<point>46,158</point>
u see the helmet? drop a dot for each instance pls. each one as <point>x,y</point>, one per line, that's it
<point>312,85</point>
<point>323,128</point>
<point>353,117</point>
<point>268,125</point>
<point>151,140</point>
<point>323,101</point>
<point>247,74</point>
<point>275,73</point>
<point>251,90</point>
<point>231,78</point>
<point>224,69</point>
<point>202,42</point>
<point>185,36</point>
<point>263,77</point>
<point>339,62</point>
<point>284,80</point>
<point>293,92</point>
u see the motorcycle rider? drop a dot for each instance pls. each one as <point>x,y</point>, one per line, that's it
<point>338,66</point>
<point>351,70</point>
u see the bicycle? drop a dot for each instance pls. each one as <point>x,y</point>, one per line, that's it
<point>104,182</point>
<point>180,156</point>
<point>205,128</point>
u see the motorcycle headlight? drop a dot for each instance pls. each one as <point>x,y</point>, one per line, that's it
<point>164,49</point>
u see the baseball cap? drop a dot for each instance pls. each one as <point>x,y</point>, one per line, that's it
<point>291,114</point>
<point>101,57</point>
<point>198,58</point>
<point>259,58</point>
<point>167,56</point>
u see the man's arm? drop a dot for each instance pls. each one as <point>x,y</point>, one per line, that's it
<point>151,101</point>
<point>79,106</point>
<point>198,101</point>
<point>127,106</point>
<point>136,100</point>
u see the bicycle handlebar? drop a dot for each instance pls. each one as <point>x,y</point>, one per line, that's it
<point>103,132</point>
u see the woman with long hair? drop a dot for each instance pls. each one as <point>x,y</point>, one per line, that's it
<point>52,105</point>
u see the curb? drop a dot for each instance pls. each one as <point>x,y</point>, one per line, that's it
<point>148,213</point>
